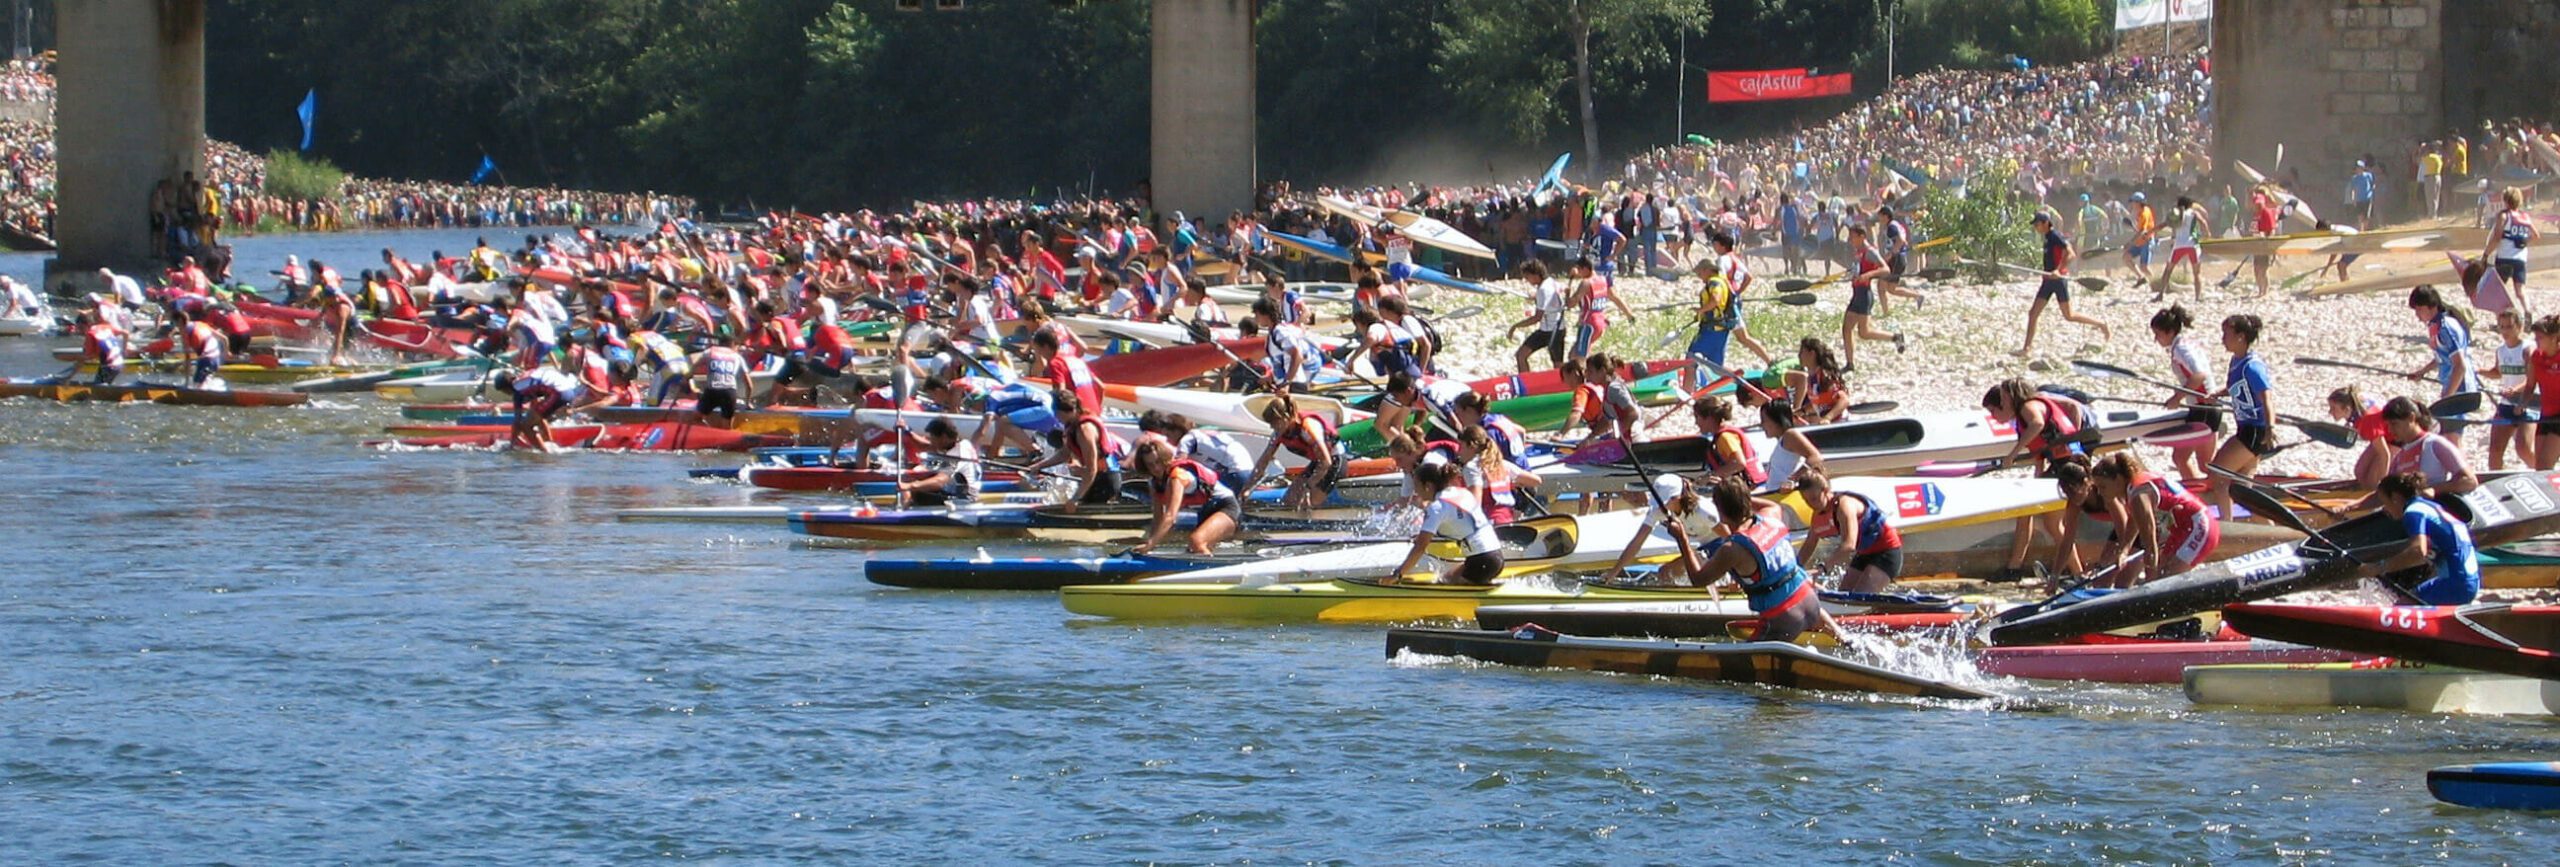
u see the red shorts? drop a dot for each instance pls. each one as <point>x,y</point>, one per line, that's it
<point>2183,254</point>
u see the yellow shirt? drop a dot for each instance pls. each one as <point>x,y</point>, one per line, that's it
<point>2430,165</point>
<point>2461,159</point>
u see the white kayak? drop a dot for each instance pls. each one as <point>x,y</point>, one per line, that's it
<point>1598,539</point>
<point>26,324</point>
<point>1099,328</point>
<point>466,385</point>
<point>968,424</point>
<point>1425,230</point>
<point>2397,686</point>
<point>1366,215</point>
<point>1240,296</point>
<point>1239,413</point>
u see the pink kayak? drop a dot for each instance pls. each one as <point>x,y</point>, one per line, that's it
<point>2144,662</point>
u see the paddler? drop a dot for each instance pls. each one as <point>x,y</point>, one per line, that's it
<point>1485,472</point>
<point>2511,233</point>
<point>1753,552</point>
<point>1510,441</point>
<point>1857,322</point>
<point>536,396</point>
<point>2244,392</point>
<point>2417,450</point>
<point>1546,314</point>
<point>2185,245</point>
<point>1818,387</point>
<point>2049,427</point>
<point>1291,356</point>
<point>1067,371</point>
<point>1213,449</point>
<point>1311,436</point>
<point>1790,451</point>
<point>2449,338</point>
<point>1738,281</point>
<point>338,315</point>
<point>1286,304</point>
<point>1454,515</point>
<point>1719,314</point>
<point>2056,285</point>
<point>1391,346</point>
<point>2511,422</point>
<point>1600,403</point>
<point>1729,451</point>
<point>1593,293</point>
<point>102,343</point>
<point>956,471</point>
<point>1183,483</point>
<point>1870,550</point>
<point>1413,405</point>
<point>2438,541</point>
<point>2543,371</point>
<point>1093,451</point>
<point>2139,503</point>
<point>2351,407</point>
<point>203,344</point>
<point>2186,370</point>
<point>724,382</point>
<point>1675,501</point>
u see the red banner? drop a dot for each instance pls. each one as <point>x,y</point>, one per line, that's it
<point>1774,84</point>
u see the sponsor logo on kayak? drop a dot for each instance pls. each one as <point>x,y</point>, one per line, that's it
<point>2003,428</point>
<point>2262,567</point>
<point>1921,500</point>
<point>2531,496</point>
<point>2488,508</point>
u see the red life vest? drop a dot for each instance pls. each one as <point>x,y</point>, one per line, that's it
<point>1751,468</point>
<point>1295,437</point>
<point>2061,423</point>
<point>1197,489</point>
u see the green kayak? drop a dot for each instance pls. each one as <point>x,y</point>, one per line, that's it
<point>1540,412</point>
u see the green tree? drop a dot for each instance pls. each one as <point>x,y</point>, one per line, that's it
<point>1511,59</point>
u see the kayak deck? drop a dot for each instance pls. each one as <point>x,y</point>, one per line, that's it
<point>1763,662</point>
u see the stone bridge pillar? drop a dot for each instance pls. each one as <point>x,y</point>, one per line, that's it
<point>2331,80</point>
<point>129,112</point>
<point>1202,148</point>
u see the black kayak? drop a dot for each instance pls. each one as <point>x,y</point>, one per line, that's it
<point>1768,662</point>
<point>2504,510</point>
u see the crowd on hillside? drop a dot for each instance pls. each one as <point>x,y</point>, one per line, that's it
<point>28,80</point>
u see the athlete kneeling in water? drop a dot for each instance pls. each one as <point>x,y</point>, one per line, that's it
<point>1753,552</point>
<point>1185,483</point>
<point>1870,550</point>
<point>1454,515</point>
<point>2437,540</point>
<point>955,465</point>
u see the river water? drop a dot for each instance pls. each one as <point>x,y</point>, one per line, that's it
<point>242,636</point>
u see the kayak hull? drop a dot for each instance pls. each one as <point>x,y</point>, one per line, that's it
<point>2410,686</point>
<point>1761,662</point>
<point>2150,662</point>
<point>1025,573</point>
<point>2501,639</point>
<point>2498,785</point>
<point>172,395</point>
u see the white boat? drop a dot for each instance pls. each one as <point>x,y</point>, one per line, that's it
<point>1239,297</point>
<point>1097,328</point>
<point>1241,413</point>
<point>1253,440</point>
<point>26,324</point>
<point>465,385</point>
<point>1598,539</point>
<point>1366,215</point>
<point>1425,230</point>
<point>2396,686</point>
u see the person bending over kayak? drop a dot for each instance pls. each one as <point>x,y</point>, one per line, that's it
<point>1093,451</point>
<point>1183,483</point>
<point>957,472</point>
<point>1754,554</point>
<point>1729,451</point>
<point>1213,449</point>
<point>538,395</point>
<point>2349,406</point>
<point>1675,499</point>
<point>2438,541</point>
<point>1870,549</point>
<point>1490,475</point>
<point>1818,387</point>
<point>1790,450</point>
<point>2139,503</point>
<point>1309,435</point>
<point>203,344</point>
<point>2417,450</point>
<point>2050,428</point>
<point>724,382</point>
<point>1453,514</point>
<point>1601,403</point>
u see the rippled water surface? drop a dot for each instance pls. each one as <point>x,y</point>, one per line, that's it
<point>241,636</point>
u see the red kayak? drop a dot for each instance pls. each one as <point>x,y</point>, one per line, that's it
<point>1167,365</point>
<point>2142,662</point>
<point>663,437</point>
<point>2503,639</point>
<point>1550,382</point>
<point>834,478</point>
<point>264,310</point>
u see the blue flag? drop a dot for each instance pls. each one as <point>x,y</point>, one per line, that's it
<point>310,107</point>
<point>487,166</point>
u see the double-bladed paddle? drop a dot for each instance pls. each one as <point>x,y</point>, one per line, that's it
<point>2326,433</point>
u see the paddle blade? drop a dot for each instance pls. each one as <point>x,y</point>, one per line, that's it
<point>1797,299</point>
<point>1937,273</point>
<point>2102,369</point>
<point>2331,435</point>
<point>1873,407</point>
<point>1793,285</point>
<point>2093,284</point>
<point>2263,504</point>
<point>2462,404</point>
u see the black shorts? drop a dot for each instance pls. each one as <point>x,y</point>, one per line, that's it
<point>718,401</point>
<point>1894,266</point>
<point>1481,568</point>
<point>1216,505</point>
<point>2511,271</point>
<point>1551,341</point>
<point>1888,560</point>
<point>1862,300</point>
<point>240,343</point>
<point>1106,488</point>
<point>2210,417</point>
<point>2547,428</point>
<point>2055,288</point>
<point>2259,440</point>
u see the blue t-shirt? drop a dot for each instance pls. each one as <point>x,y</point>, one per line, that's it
<point>2449,339</point>
<point>2457,576</point>
<point>2249,382</point>
<point>2361,187</point>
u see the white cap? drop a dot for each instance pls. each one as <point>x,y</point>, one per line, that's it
<point>1669,486</point>
<point>1435,459</point>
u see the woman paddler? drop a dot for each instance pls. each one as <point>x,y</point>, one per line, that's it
<point>1753,552</point>
<point>2050,427</point>
<point>2542,370</point>
<point>2244,391</point>
<point>1675,500</point>
<point>1093,451</point>
<point>2417,450</point>
<point>2186,370</point>
<point>1309,435</point>
<point>1183,483</point>
<point>1453,514</point>
<point>1729,451</point>
<point>2139,503</point>
<point>1870,549</point>
<point>1487,473</point>
<point>1600,402</point>
<point>1818,387</point>
<point>1789,449</point>
<point>2350,406</point>
<point>2438,540</point>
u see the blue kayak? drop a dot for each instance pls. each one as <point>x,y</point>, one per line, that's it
<point>1339,253</point>
<point>1034,573</point>
<point>2498,785</point>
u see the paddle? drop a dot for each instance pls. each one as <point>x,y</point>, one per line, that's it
<point>2457,405</point>
<point>1797,299</point>
<point>2349,365</point>
<point>1934,274</point>
<point>2073,586</point>
<point>2253,494</point>
<point>2329,434</point>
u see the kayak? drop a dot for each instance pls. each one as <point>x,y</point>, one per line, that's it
<point>284,372</point>
<point>2144,662</point>
<point>1240,296</point>
<point>446,412</point>
<point>2505,509</point>
<point>447,387</point>
<point>1910,625</point>
<point>355,382</point>
<point>1364,599</point>
<point>660,437</point>
<point>1765,662</point>
<point>1032,573</point>
<point>1434,233</point>
<point>2528,565</point>
<point>2498,785</point>
<point>1591,541</point>
<point>2380,683</point>
<point>1535,412</point>
<point>1052,523</point>
<point>1339,253</point>
<point>1225,410</point>
<point>714,514</point>
<point>1549,381</point>
<point>782,478</point>
<point>2501,639</point>
<point>1889,446</point>
<point>1661,618</point>
<point>175,395</point>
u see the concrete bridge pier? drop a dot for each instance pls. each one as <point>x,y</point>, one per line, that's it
<point>1202,149</point>
<point>129,112</point>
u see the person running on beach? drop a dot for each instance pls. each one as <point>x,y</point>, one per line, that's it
<point>2139,503</point>
<point>1896,246</point>
<point>1718,316</point>
<point>2510,234</point>
<point>2056,285</point>
<point>2512,423</point>
<point>2188,231</point>
<point>2437,540</point>
<point>1453,514</point>
<point>1592,295</point>
<point>2245,392</point>
<point>2186,370</point>
<point>1546,313</point>
<point>2449,339</point>
<point>1755,555</point>
<point>2146,224</point>
<point>1739,279</point>
<point>2263,220</point>
<point>1858,321</point>
<point>1870,551</point>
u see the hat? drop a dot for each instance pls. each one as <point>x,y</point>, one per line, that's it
<point>2084,197</point>
<point>1669,486</point>
<point>2041,217</point>
<point>2137,195</point>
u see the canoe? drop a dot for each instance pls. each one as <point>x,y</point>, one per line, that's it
<point>1171,364</point>
<point>1031,573</point>
<point>174,395</point>
<point>1431,232</point>
<point>660,437</point>
<point>2332,244</point>
<point>1239,297</point>
<point>1661,618</point>
<point>2498,785</point>
<point>1549,382</point>
<point>2387,684</point>
<point>2149,662</point>
<point>783,478</point>
<point>285,372</point>
<point>1224,410</point>
<point>1339,253</point>
<point>365,381</point>
<point>1764,662</point>
<point>2505,509</point>
<point>2528,565</point>
<point>2500,639</point>
<point>446,412</point>
<point>902,525</point>
<point>1592,541</point>
<point>1914,624</point>
<point>1535,412</point>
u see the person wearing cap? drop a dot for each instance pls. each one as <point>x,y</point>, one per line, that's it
<point>2146,223</point>
<point>1674,501</point>
<point>2360,192</point>
<point>2056,287</point>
